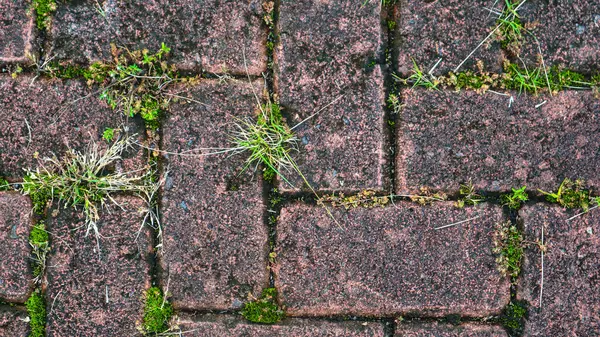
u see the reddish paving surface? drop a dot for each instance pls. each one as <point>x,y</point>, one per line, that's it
<point>18,31</point>
<point>208,36</point>
<point>389,261</point>
<point>223,325</point>
<point>13,322</point>
<point>447,330</point>
<point>97,292</point>
<point>215,244</point>
<point>447,138</point>
<point>15,223</point>
<point>329,50</point>
<point>571,291</point>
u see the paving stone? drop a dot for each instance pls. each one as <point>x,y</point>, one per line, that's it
<point>15,223</point>
<point>225,325</point>
<point>13,322</point>
<point>91,293</point>
<point>447,138</point>
<point>17,33</point>
<point>208,35</point>
<point>447,29</point>
<point>571,291</point>
<point>215,240</point>
<point>329,49</point>
<point>389,261</point>
<point>42,119</point>
<point>448,330</point>
<point>568,32</point>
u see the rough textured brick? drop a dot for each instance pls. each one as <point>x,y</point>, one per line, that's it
<point>215,240</point>
<point>329,49</point>
<point>46,117</point>
<point>447,138</point>
<point>447,29</point>
<point>17,32</point>
<point>389,261</point>
<point>95,293</point>
<point>15,223</point>
<point>223,325</point>
<point>568,31</point>
<point>571,291</point>
<point>13,322</point>
<point>208,35</point>
<point>447,330</point>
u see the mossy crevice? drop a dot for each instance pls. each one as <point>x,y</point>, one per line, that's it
<point>157,312</point>
<point>43,13</point>
<point>36,308</point>
<point>264,310</point>
<point>510,248</point>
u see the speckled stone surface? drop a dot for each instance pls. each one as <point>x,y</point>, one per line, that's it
<point>571,291</point>
<point>447,138</point>
<point>17,32</point>
<point>95,293</point>
<point>206,35</point>
<point>328,50</point>
<point>447,29</point>
<point>15,224</point>
<point>215,238</point>
<point>568,32</point>
<point>447,330</point>
<point>13,322</point>
<point>233,326</point>
<point>42,117</point>
<point>389,261</point>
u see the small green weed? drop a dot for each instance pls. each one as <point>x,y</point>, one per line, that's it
<point>570,194</point>
<point>108,134</point>
<point>513,317</point>
<point>508,244</point>
<point>4,185</point>
<point>468,196</point>
<point>43,10</point>
<point>511,30</point>
<point>265,309</point>
<point>523,79</point>
<point>515,199</point>
<point>418,78</point>
<point>394,104</point>
<point>38,240</point>
<point>157,312</point>
<point>36,307</point>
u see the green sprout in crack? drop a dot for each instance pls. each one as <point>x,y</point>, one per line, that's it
<point>468,196</point>
<point>418,78</point>
<point>38,240</point>
<point>515,199</point>
<point>43,10</point>
<point>570,194</point>
<point>36,308</point>
<point>508,244</point>
<point>265,309</point>
<point>157,312</point>
<point>4,185</point>
<point>511,29</point>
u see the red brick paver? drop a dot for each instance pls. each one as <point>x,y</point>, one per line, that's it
<point>448,138</point>
<point>215,245</point>
<point>328,49</point>
<point>13,323</point>
<point>97,293</point>
<point>387,261</point>
<point>571,291</point>
<point>223,325</point>
<point>17,32</point>
<point>44,117</point>
<point>15,223</point>
<point>208,35</point>
<point>447,330</point>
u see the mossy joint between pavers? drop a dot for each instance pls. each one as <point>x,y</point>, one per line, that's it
<point>36,307</point>
<point>157,312</point>
<point>265,309</point>
<point>44,10</point>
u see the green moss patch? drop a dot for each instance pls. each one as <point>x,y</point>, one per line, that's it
<point>570,194</point>
<point>265,309</point>
<point>513,317</point>
<point>43,10</point>
<point>509,246</point>
<point>157,312</point>
<point>36,307</point>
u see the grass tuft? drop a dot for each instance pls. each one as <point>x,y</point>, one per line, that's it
<point>570,194</point>
<point>515,199</point>
<point>4,185</point>
<point>36,307</point>
<point>508,244</point>
<point>468,196</point>
<point>418,78</point>
<point>38,240</point>
<point>157,312</point>
<point>265,309</point>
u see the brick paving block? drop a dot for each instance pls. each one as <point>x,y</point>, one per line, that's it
<point>448,29</point>
<point>13,322</point>
<point>234,326</point>
<point>448,330</point>
<point>98,294</point>
<point>389,261</point>
<point>15,223</point>
<point>447,138</point>
<point>208,35</point>
<point>571,291</point>
<point>568,32</point>
<point>328,49</point>
<point>215,239</point>
<point>45,117</point>
<point>17,33</point>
